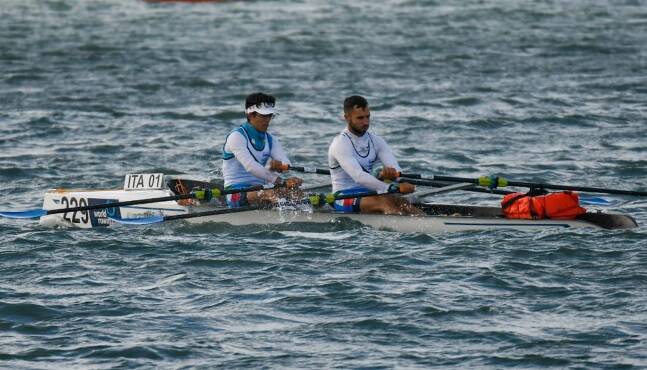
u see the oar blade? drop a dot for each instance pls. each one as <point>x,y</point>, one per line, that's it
<point>32,213</point>
<point>594,201</point>
<point>139,220</point>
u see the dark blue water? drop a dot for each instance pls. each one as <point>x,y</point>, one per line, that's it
<point>549,91</point>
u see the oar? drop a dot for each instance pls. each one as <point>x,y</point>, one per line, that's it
<point>426,182</point>
<point>412,179</point>
<point>494,182</point>
<point>160,218</point>
<point>417,179</point>
<point>584,198</point>
<point>200,194</point>
<point>320,171</point>
<point>440,184</point>
<point>436,191</point>
<point>330,198</point>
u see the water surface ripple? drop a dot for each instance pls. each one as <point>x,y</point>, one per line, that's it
<point>552,91</point>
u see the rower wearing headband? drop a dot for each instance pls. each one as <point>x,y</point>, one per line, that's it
<point>247,150</point>
<point>352,156</point>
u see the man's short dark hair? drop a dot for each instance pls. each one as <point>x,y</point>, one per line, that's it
<point>354,101</point>
<point>258,98</point>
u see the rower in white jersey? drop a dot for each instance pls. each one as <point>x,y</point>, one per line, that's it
<point>352,157</point>
<point>246,152</point>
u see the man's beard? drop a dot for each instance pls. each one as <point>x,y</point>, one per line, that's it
<point>362,130</point>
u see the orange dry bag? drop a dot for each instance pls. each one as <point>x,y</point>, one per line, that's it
<point>562,206</point>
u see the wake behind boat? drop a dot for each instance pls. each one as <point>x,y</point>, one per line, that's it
<point>437,218</point>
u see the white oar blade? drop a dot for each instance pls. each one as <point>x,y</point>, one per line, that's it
<point>139,221</point>
<point>32,213</point>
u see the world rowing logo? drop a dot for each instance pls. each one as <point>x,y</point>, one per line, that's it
<point>102,217</point>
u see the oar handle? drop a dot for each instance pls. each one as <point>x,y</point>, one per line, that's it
<point>320,171</point>
<point>282,167</point>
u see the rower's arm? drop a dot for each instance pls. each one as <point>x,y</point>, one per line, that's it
<point>385,154</point>
<point>277,152</point>
<point>343,154</point>
<point>237,145</point>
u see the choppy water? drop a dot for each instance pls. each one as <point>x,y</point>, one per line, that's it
<point>552,90</point>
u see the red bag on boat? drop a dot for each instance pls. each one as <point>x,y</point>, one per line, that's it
<point>561,206</point>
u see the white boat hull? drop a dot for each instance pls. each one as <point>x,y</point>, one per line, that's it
<point>404,224</point>
<point>441,218</point>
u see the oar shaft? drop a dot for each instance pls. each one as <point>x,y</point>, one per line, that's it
<point>120,204</point>
<point>320,171</point>
<point>408,177</point>
<point>477,181</point>
<point>439,184</point>
<point>212,212</point>
<point>443,178</point>
<point>577,188</point>
<point>191,195</point>
<point>358,195</point>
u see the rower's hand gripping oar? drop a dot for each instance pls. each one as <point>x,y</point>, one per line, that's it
<point>386,173</point>
<point>199,194</point>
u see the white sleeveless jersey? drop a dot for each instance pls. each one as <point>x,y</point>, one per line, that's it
<point>351,159</point>
<point>244,164</point>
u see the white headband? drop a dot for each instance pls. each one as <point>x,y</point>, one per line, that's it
<point>262,108</point>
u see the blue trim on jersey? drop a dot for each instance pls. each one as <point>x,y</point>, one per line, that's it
<point>254,136</point>
<point>248,131</point>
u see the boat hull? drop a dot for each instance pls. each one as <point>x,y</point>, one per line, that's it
<point>439,219</point>
<point>404,224</point>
